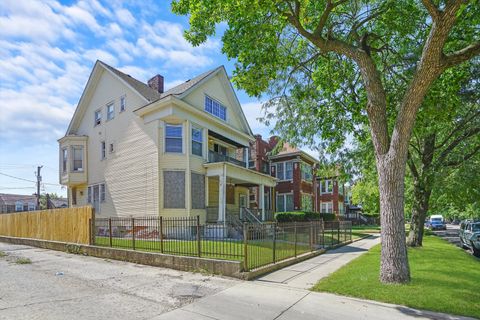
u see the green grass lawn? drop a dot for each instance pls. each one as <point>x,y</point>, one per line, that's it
<point>259,253</point>
<point>444,279</point>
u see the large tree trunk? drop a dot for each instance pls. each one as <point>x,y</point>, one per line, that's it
<point>394,260</point>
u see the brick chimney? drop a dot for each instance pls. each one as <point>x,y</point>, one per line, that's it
<point>156,83</point>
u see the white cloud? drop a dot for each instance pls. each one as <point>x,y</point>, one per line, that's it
<point>125,17</point>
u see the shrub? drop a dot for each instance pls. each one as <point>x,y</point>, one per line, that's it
<point>300,216</point>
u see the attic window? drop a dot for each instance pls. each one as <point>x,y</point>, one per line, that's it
<point>215,108</point>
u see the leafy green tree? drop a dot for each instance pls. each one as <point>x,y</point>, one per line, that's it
<point>446,136</point>
<point>327,66</point>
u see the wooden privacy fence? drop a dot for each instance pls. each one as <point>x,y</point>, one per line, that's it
<point>68,225</point>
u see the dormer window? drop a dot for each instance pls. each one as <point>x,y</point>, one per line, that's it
<point>98,117</point>
<point>215,108</point>
<point>19,206</point>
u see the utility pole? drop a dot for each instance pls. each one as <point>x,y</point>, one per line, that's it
<point>39,179</point>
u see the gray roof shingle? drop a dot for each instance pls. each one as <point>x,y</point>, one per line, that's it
<point>152,95</point>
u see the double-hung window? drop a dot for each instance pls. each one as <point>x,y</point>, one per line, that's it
<point>64,159</point>
<point>173,138</point>
<point>326,186</point>
<point>77,152</point>
<point>280,171</point>
<point>326,207</point>
<point>284,202</point>
<point>215,108</point>
<point>103,153</point>
<point>197,141</point>
<point>110,111</point>
<point>102,192</point>
<point>19,206</point>
<point>98,117</point>
<point>288,170</point>
<point>306,172</point>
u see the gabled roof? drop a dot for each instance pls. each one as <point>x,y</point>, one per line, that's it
<point>142,88</point>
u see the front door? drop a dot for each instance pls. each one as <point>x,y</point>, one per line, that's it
<point>243,201</point>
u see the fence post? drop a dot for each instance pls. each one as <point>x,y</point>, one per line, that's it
<point>110,230</point>
<point>161,234</point>
<point>338,233</point>
<point>198,236</point>
<point>245,246</point>
<point>311,235</point>
<point>350,231</point>
<point>274,241</point>
<point>133,233</point>
<point>323,234</point>
<point>295,235</point>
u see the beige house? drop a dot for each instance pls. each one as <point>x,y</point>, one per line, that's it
<point>132,149</point>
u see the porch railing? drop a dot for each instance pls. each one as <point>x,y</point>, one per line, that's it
<point>218,157</point>
<point>255,245</point>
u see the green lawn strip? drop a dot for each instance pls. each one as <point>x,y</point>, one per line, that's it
<point>444,279</point>
<point>260,253</point>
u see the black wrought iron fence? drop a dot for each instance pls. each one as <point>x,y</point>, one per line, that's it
<point>254,244</point>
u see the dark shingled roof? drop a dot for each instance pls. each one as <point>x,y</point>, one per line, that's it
<point>152,95</point>
<point>11,199</point>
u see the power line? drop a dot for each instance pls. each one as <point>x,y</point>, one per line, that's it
<point>46,183</point>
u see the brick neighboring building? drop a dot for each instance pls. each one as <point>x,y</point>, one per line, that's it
<point>330,196</point>
<point>294,168</point>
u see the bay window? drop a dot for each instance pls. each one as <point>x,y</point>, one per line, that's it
<point>197,141</point>
<point>173,138</point>
<point>77,158</point>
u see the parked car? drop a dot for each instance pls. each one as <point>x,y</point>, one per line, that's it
<point>470,236</point>
<point>436,222</point>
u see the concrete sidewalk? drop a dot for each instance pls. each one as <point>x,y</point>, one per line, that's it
<point>283,295</point>
<point>306,274</point>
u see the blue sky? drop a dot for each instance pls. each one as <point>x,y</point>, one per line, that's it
<point>47,50</point>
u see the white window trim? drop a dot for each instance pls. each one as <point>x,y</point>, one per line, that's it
<point>330,181</point>
<point>103,150</point>
<point>31,206</point>
<point>95,118</point>
<point>17,203</point>
<point>284,164</point>
<point>217,101</point>
<point>165,138</point>
<point>194,126</point>
<point>73,158</point>
<point>111,103</point>
<point>124,97</point>
<point>326,202</point>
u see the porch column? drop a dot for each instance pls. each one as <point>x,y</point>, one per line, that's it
<point>222,195</point>
<point>262,200</point>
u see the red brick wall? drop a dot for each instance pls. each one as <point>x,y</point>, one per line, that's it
<point>335,197</point>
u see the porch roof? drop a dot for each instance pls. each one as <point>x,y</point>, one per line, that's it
<point>240,174</point>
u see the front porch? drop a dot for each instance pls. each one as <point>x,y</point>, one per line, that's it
<point>228,193</point>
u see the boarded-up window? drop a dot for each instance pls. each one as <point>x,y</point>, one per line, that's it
<point>198,191</point>
<point>230,194</point>
<point>174,189</point>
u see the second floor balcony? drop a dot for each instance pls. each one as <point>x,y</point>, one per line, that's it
<point>219,157</point>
